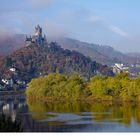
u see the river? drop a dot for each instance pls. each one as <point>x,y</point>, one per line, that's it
<point>73,116</point>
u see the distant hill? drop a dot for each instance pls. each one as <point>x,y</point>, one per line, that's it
<point>102,54</point>
<point>35,61</point>
<point>105,55</point>
<point>134,54</point>
<point>11,43</point>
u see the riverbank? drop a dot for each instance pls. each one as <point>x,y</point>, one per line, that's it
<point>12,92</point>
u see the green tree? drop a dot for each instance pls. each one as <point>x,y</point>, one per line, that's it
<point>57,85</point>
<point>98,86</point>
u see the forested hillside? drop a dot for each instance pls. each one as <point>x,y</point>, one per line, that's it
<point>33,61</point>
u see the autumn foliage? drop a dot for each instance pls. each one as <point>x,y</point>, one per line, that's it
<point>74,87</point>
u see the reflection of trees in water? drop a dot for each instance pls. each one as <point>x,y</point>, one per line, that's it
<point>100,110</point>
<point>38,108</point>
<point>136,112</point>
<point>122,113</point>
<point>127,111</point>
<point>109,111</point>
<point>119,112</point>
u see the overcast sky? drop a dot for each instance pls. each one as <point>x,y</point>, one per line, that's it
<point>106,22</point>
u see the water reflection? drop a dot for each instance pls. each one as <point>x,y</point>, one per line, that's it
<point>74,113</point>
<point>12,108</point>
<point>74,116</point>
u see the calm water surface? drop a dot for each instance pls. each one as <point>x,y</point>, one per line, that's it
<point>74,116</point>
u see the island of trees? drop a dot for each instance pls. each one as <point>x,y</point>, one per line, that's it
<point>99,88</point>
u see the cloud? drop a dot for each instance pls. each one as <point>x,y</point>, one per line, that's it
<point>104,23</point>
<point>118,31</point>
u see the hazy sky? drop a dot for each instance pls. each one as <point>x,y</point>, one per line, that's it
<point>106,22</point>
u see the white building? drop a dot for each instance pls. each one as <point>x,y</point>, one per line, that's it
<point>12,69</point>
<point>118,68</point>
<point>8,82</point>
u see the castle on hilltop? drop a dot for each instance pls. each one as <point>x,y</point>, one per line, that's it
<point>37,38</point>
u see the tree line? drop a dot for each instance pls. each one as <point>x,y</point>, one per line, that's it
<point>75,87</point>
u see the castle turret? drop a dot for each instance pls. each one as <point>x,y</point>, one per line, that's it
<point>38,31</point>
<point>37,38</point>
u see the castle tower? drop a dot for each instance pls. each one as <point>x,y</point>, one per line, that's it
<point>38,31</point>
<point>37,38</point>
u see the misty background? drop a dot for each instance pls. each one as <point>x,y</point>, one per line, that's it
<point>106,22</point>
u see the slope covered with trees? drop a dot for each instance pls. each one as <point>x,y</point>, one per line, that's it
<point>2,66</point>
<point>33,61</point>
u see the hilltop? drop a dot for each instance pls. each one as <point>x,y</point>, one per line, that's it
<point>33,61</point>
